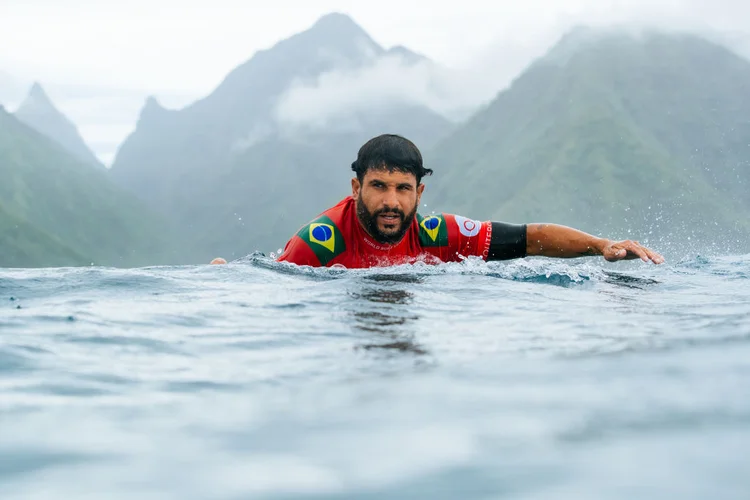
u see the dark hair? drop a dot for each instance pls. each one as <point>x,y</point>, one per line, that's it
<point>390,152</point>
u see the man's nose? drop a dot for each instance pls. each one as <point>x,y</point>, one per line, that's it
<point>391,199</point>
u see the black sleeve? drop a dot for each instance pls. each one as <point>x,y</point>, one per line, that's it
<point>508,241</point>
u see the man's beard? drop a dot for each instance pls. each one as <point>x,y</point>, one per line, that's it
<point>370,222</point>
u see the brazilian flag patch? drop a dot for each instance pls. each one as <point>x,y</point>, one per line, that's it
<point>324,238</point>
<point>432,231</point>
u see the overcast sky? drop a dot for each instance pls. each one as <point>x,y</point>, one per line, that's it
<point>189,45</point>
<point>180,50</point>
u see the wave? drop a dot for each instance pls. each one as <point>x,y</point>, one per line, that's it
<point>533,270</point>
<point>257,267</point>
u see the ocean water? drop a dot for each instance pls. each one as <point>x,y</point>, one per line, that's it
<point>531,379</point>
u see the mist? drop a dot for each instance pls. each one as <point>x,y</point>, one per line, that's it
<point>391,81</point>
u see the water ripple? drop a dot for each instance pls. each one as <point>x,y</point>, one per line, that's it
<point>536,378</point>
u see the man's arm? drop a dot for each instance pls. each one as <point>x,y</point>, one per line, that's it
<point>552,240</point>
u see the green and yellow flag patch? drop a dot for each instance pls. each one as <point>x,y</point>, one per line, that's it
<point>432,231</point>
<point>324,238</point>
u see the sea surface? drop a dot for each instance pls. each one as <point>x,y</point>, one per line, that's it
<point>531,379</point>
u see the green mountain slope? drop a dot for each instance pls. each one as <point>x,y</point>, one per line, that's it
<point>23,245</point>
<point>635,138</point>
<point>74,203</point>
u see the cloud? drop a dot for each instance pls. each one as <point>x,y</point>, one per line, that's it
<point>392,80</point>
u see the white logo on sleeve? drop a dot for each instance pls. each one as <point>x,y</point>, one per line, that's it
<point>468,227</point>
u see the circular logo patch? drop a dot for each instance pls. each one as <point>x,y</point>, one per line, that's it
<point>468,227</point>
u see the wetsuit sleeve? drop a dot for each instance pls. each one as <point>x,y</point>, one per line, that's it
<point>467,237</point>
<point>508,241</point>
<point>297,251</point>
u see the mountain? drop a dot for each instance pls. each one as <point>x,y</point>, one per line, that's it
<point>233,153</point>
<point>38,111</point>
<point>24,245</point>
<point>636,137</point>
<point>57,210</point>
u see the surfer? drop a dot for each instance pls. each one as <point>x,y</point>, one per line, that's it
<point>378,224</point>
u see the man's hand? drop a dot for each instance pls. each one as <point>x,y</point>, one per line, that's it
<point>629,250</point>
<point>552,240</point>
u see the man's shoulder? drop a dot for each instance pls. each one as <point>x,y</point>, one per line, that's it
<point>439,229</point>
<point>323,234</point>
<point>433,230</point>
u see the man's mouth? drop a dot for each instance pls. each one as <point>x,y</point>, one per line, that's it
<point>390,218</point>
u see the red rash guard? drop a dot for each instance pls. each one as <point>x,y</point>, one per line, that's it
<point>337,238</point>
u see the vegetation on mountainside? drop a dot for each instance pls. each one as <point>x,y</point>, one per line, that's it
<point>633,138</point>
<point>23,245</point>
<point>52,193</point>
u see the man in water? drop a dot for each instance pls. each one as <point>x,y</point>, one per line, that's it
<point>378,225</point>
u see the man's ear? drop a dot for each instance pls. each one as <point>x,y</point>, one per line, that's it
<point>420,190</point>
<point>355,188</point>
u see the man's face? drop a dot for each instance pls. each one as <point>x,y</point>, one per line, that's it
<point>386,203</point>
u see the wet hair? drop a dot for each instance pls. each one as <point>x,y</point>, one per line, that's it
<point>390,152</point>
